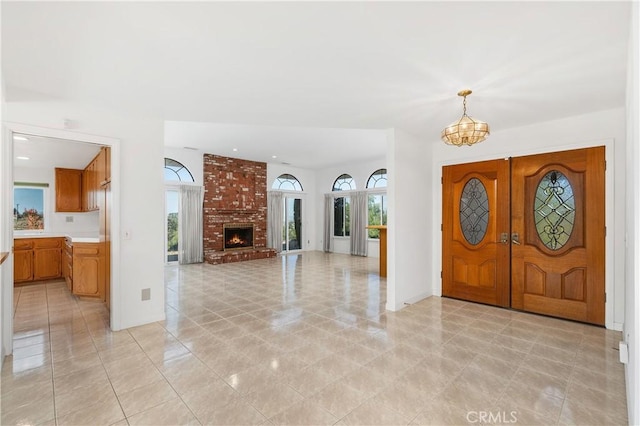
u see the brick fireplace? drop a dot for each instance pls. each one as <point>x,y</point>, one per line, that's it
<point>235,193</point>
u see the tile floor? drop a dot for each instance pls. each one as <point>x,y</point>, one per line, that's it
<point>300,340</point>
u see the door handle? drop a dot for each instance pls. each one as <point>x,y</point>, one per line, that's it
<point>504,238</point>
<point>515,239</point>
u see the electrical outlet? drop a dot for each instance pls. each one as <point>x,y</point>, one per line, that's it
<point>146,294</point>
<point>69,219</point>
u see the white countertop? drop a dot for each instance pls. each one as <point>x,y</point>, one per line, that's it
<point>75,238</point>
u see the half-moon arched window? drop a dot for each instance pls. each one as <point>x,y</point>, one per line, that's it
<point>287,182</point>
<point>378,179</point>
<point>344,182</point>
<point>176,171</point>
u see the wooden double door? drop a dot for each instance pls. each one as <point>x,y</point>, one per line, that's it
<point>528,233</point>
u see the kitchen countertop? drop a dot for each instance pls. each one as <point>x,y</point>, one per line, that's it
<point>75,238</point>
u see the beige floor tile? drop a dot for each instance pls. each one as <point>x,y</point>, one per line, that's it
<point>73,364</point>
<point>33,412</point>
<point>438,413</point>
<point>236,412</point>
<point>145,397</point>
<point>83,378</point>
<point>172,412</point>
<point>273,399</point>
<point>103,412</point>
<point>305,412</point>
<point>338,398</point>
<point>404,398</point>
<point>69,402</point>
<point>302,344</point>
<point>371,412</point>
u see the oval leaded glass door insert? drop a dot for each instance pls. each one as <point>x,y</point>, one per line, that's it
<point>554,210</point>
<point>474,211</point>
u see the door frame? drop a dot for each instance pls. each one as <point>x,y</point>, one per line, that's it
<point>6,234</point>
<point>610,259</point>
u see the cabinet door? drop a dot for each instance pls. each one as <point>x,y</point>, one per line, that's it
<point>68,190</point>
<point>47,263</point>
<point>88,270</point>
<point>23,266</point>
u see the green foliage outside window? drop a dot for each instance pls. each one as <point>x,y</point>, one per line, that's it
<point>377,207</point>
<point>172,233</point>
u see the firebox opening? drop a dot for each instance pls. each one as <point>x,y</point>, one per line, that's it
<point>238,236</point>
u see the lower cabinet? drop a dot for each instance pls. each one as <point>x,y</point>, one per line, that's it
<point>22,266</point>
<point>88,270</point>
<point>37,259</point>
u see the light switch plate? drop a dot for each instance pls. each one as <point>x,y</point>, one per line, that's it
<point>146,294</point>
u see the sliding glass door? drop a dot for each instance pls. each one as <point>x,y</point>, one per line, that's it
<point>292,229</point>
<point>171,229</point>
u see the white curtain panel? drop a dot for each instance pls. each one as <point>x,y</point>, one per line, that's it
<point>190,231</point>
<point>327,243</point>
<point>275,212</point>
<point>359,214</point>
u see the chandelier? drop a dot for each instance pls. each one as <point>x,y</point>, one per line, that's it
<point>467,130</point>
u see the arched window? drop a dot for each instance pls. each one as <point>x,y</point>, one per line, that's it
<point>176,171</point>
<point>377,201</point>
<point>287,182</point>
<point>378,179</point>
<point>344,183</point>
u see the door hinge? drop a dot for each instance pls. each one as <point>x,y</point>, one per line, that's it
<point>605,298</point>
<point>605,231</point>
<point>440,274</point>
<point>441,228</point>
<point>605,165</point>
<point>441,180</point>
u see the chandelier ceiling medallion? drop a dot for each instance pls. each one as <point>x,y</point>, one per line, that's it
<point>467,130</point>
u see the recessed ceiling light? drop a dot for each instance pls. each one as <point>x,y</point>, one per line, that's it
<point>235,149</point>
<point>22,158</point>
<point>20,138</point>
<point>274,156</point>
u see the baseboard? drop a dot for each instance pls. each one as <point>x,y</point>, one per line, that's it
<point>410,301</point>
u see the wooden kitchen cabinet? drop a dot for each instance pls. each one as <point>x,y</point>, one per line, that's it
<point>22,260</point>
<point>47,259</point>
<point>90,187</point>
<point>69,190</point>
<point>67,262</point>
<point>37,259</point>
<point>88,270</point>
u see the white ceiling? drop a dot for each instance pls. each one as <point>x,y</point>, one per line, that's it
<point>48,153</point>
<point>264,77</point>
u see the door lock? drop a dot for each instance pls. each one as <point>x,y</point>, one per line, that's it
<point>515,238</point>
<point>504,238</point>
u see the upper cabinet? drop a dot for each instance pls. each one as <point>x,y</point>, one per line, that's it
<point>77,190</point>
<point>69,190</point>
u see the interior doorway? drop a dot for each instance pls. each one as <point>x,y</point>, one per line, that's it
<point>528,233</point>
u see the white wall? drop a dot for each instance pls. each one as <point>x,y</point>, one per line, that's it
<point>138,198</point>
<point>6,272</point>
<point>410,213</point>
<point>600,128</point>
<point>632,302</point>
<point>83,223</point>
<point>360,172</point>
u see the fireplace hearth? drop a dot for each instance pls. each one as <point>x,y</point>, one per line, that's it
<point>238,236</point>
